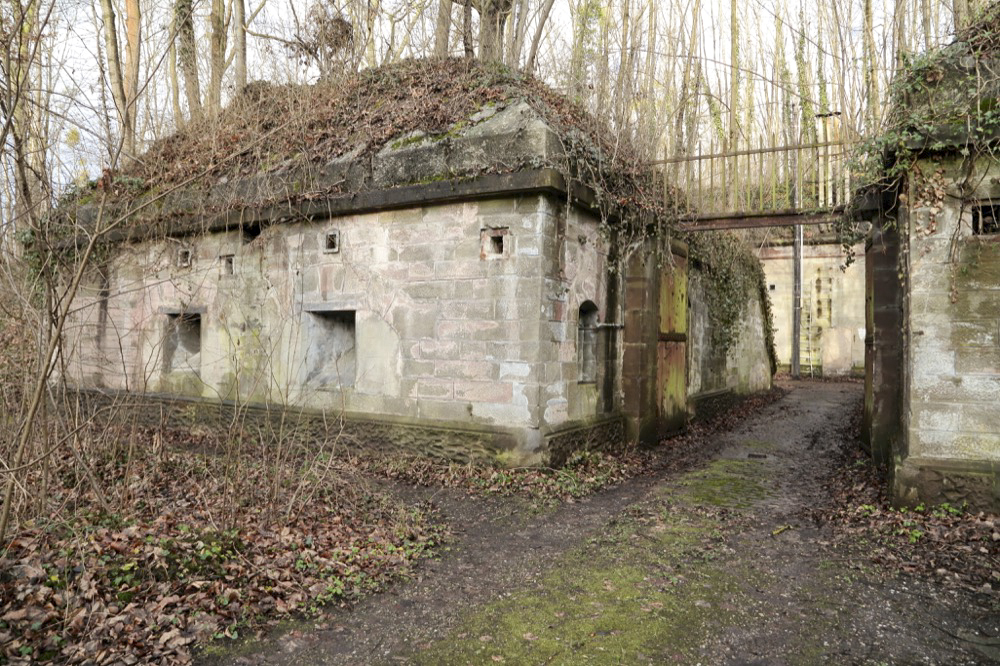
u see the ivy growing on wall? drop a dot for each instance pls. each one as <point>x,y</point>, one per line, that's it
<point>947,99</point>
<point>734,278</point>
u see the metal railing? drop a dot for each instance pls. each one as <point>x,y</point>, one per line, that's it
<point>778,180</point>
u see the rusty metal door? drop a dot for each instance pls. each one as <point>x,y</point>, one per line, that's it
<point>671,353</point>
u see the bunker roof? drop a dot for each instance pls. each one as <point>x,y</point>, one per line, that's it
<point>418,130</point>
<point>950,97</point>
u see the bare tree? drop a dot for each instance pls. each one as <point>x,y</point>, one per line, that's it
<point>124,86</point>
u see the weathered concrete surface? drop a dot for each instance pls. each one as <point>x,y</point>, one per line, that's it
<point>676,568</point>
<point>745,368</point>
<point>952,361</point>
<point>884,367</point>
<point>418,299</point>
<point>417,315</point>
<point>833,337</point>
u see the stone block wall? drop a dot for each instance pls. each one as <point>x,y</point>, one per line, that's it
<point>952,361</point>
<point>464,313</point>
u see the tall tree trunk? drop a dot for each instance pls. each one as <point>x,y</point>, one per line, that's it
<point>618,100</point>
<point>217,55</point>
<point>492,19</point>
<point>925,20</point>
<point>187,54</point>
<point>603,85</point>
<point>442,29</point>
<point>240,44</point>
<point>117,79</point>
<point>467,44</point>
<point>734,95</point>
<point>870,72</point>
<point>175,87</point>
<point>899,32</point>
<point>685,90</point>
<point>518,34</point>
<point>543,18</point>
<point>960,11</point>
<point>133,40</point>
<point>577,58</point>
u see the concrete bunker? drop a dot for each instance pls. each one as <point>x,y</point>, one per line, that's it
<point>420,293</point>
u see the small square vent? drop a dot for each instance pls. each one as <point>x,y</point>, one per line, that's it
<point>331,242</point>
<point>495,243</point>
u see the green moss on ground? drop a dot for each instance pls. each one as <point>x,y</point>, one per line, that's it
<point>650,589</point>
<point>627,599</point>
<point>725,483</point>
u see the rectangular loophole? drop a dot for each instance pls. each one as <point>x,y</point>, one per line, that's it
<point>586,343</point>
<point>494,243</point>
<point>986,218</point>
<point>227,264</point>
<point>331,242</point>
<point>331,356</point>
<point>184,256</point>
<point>182,343</point>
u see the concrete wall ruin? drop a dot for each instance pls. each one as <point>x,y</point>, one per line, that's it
<point>464,313</point>
<point>951,288</point>
<point>833,323</point>
<point>485,313</point>
<point>744,368</point>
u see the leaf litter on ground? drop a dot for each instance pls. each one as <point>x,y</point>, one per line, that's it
<point>211,543</point>
<point>196,553</point>
<point>948,543</point>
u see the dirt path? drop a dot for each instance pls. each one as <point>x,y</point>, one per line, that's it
<point>717,565</point>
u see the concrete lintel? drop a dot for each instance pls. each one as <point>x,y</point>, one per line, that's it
<point>182,310</point>
<point>546,180</point>
<point>345,302</point>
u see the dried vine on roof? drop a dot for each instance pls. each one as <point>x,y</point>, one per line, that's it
<point>273,129</point>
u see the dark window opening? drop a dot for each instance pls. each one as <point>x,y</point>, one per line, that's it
<point>494,243</point>
<point>228,264</point>
<point>184,257</point>
<point>331,242</point>
<point>250,232</point>
<point>771,287</point>
<point>986,219</point>
<point>331,356</point>
<point>182,343</point>
<point>586,343</point>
